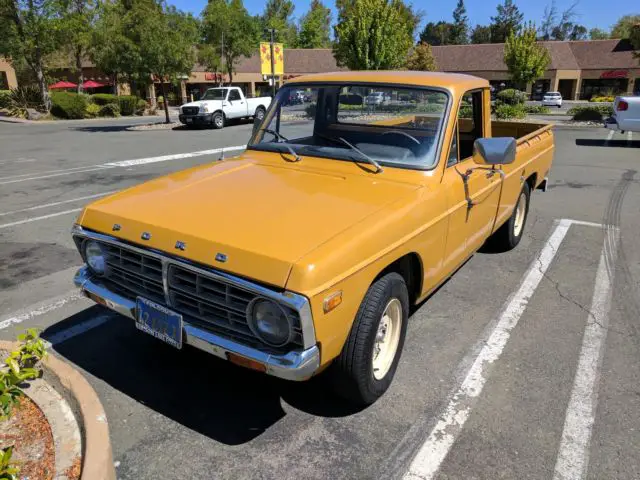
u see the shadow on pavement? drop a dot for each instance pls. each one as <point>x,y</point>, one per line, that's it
<point>105,128</point>
<point>229,404</point>
<point>588,142</point>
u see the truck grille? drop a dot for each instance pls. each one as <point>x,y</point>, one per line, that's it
<point>190,110</point>
<point>209,302</point>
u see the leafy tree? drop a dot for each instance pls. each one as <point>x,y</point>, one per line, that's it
<point>598,34</point>
<point>563,27</point>
<point>481,34</point>
<point>314,27</point>
<point>436,33</point>
<point>634,37</point>
<point>231,19</point>
<point>421,58</point>
<point>525,58</point>
<point>278,14</point>
<point>78,26</point>
<point>460,29</point>
<point>209,56</point>
<point>508,19</point>
<point>622,28</point>
<point>372,34</point>
<point>31,30</point>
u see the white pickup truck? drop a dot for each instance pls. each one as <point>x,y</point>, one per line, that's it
<point>626,115</point>
<point>218,105</point>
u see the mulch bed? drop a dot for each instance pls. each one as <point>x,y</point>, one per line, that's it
<point>29,432</point>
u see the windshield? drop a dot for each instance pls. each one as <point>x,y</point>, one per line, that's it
<point>215,94</point>
<point>393,126</point>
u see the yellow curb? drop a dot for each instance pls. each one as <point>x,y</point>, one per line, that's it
<point>97,459</point>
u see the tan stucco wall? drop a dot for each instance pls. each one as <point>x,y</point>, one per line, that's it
<point>6,67</point>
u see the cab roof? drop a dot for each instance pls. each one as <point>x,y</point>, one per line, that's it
<point>449,81</point>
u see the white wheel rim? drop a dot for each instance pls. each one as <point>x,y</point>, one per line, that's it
<point>387,339</point>
<point>218,120</point>
<point>260,115</point>
<point>520,211</point>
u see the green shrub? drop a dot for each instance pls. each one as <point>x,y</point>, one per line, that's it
<point>598,99</point>
<point>127,104</point>
<point>68,105</point>
<point>505,112</point>
<point>171,97</point>
<point>141,106</point>
<point>160,100</point>
<point>310,109</point>
<point>110,110</point>
<point>536,109</point>
<point>104,98</point>
<point>5,96</point>
<point>92,110</point>
<point>21,98</point>
<point>511,96</point>
<point>590,112</point>
<point>465,111</point>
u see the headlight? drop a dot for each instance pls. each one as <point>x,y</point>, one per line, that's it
<point>95,257</point>
<point>205,108</point>
<point>269,322</point>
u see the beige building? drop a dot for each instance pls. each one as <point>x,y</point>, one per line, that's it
<point>7,75</point>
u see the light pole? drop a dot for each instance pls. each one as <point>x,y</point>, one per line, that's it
<point>272,32</point>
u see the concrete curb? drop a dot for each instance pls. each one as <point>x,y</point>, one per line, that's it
<point>97,460</point>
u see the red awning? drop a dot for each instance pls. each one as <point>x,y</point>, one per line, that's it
<point>92,84</point>
<point>62,84</point>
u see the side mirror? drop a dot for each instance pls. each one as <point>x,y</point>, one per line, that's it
<point>494,151</point>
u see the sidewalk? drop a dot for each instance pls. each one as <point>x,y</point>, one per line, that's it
<point>173,112</point>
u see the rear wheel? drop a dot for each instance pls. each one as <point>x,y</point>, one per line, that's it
<point>369,359</point>
<point>509,234</point>
<point>217,120</point>
<point>259,115</point>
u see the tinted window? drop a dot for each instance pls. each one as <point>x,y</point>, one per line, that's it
<point>234,95</point>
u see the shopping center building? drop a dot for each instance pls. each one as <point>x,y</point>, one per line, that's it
<point>578,70</point>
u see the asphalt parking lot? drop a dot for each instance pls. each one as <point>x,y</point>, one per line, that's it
<point>523,365</point>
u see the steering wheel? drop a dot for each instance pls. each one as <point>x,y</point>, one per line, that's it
<point>400,132</point>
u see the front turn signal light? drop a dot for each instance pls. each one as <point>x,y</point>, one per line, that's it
<point>332,301</point>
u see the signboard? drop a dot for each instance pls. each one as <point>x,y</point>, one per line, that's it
<point>213,77</point>
<point>265,58</point>
<point>614,74</point>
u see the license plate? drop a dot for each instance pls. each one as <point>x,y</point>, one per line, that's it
<point>189,120</point>
<point>159,321</point>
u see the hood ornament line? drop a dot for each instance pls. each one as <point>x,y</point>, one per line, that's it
<point>181,245</point>
<point>145,236</point>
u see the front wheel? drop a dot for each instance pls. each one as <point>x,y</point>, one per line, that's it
<point>259,115</point>
<point>369,359</point>
<point>217,120</point>
<point>508,236</point>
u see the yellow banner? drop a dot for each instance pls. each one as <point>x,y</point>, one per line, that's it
<point>265,58</point>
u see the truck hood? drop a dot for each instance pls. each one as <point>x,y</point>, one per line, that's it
<point>210,103</point>
<point>263,217</point>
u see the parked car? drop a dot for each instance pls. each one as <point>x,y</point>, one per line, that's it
<point>307,252</point>
<point>218,105</point>
<point>626,115</point>
<point>375,98</point>
<point>552,99</point>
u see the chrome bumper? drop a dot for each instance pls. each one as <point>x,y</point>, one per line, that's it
<point>296,365</point>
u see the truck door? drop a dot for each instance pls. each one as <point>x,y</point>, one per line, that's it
<point>472,194</point>
<point>237,106</point>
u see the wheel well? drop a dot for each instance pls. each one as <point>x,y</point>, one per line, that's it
<point>532,181</point>
<point>410,268</point>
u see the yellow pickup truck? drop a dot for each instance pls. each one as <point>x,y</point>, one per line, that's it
<point>308,251</point>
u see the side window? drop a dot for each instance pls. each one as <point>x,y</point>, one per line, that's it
<point>469,122</point>
<point>453,151</point>
<point>234,95</point>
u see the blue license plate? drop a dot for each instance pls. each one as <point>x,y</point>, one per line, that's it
<point>159,321</point>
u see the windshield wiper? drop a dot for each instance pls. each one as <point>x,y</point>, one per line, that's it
<point>284,143</point>
<point>362,154</point>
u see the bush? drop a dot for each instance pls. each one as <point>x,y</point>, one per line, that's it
<point>127,104</point>
<point>110,110</point>
<point>590,112</point>
<point>536,109</point>
<point>171,98</point>
<point>598,99</point>
<point>68,105</point>
<point>505,112</point>
<point>160,100</point>
<point>104,98</point>
<point>92,110</point>
<point>141,106</point>
<point>21,98</point>
<point>310,110</point>
<point>465,111</point>
<point>5,96</point>
<point>511,96</point>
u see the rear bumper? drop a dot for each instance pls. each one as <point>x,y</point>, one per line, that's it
<point>295,365</point>
<point>611,123</point>
<point>200,119</point>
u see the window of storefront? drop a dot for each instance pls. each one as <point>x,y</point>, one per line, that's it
<point>603,86</point>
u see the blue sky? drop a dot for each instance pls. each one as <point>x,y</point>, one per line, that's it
<point>593,13</point>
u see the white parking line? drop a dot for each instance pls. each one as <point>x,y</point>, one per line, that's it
<point>11,177</point>
<point>53,204</point>
<point>629,136</point>
<point>178,156</point>
<point>35,219</point>
<point>36,312</point>
<point>609,136</point>
<point>78,329</point>
<point>63,174</point>
<point>573,456</point>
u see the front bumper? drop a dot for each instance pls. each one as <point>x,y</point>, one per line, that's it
<point>200,119</point>
<point>295,365</point>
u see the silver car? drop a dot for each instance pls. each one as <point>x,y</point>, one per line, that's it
<point>552,99</point>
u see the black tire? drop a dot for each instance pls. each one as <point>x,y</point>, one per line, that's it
<point>217,120</point>
<point>352,373</point>
<point>259,115</point>
<point>506,238</point>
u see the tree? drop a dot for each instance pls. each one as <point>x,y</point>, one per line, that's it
<point>421,58</point>
<point>508,19</point>
<point>230,19</point>
<point>436,33</point>
<point>598,34</point>
<point>314,27</point>
<point>634,37</point>
<point>525,58</point>
<point>78,26</point>
<point>31,30</point>
<point>459,34</point>
<point>278,14</point>
<point>481,34</point>
<point>563,28</point>
<point>372,34</point>
<point>622,28</point>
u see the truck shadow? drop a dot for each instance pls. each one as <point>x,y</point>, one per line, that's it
<point>215,398</point>
<point>592,142</point>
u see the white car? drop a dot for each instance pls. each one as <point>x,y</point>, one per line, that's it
<point>375,98</point>
<point>626,115</point>
<point>218,105</point>
<point>552,99</point>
